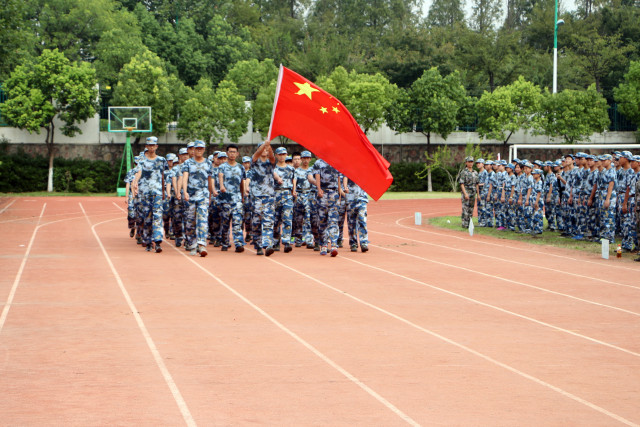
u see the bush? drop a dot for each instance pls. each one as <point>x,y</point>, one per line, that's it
<point>23,173</point>
<point>405,178</point>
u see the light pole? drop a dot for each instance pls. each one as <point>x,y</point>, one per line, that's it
<point>556,23</point>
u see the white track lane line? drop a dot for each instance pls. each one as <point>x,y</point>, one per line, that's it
<point>494,307</point>
<point>582,276</point>
<point>307,345</point>
<point>507,246</point>
<point>509,280</point>
<point>7,207</point>
<point>177,396</point>
<point>16,281</point>
<point>461,346</point>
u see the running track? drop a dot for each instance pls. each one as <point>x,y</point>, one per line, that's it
<point>431,327</point>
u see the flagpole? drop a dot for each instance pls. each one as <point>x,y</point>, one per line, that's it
<point>275,102</point>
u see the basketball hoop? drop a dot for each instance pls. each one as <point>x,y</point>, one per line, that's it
<point>129,128</point>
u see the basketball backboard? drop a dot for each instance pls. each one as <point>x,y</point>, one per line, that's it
<point>130,119</point>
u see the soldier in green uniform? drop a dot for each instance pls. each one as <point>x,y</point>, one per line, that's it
<point>468,182</point>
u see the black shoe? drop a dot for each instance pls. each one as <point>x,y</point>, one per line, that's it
<point>269,252</point>
<point>139,240</point>
<point>316,248</point>
<point>217,244</point>
<point>224,248</point>
<point>132,232</point>
<point>310,247</point>
<point>248,238</point>
<point>148,248</point>
<point>354,248</point>
<point>339,243</point>
<point>158,247</point>
<point>259,251</point>
<point>287,249</point>
<point>239,249</point>
<point>298,244</point>
<point>178,242</point>
<point>637,259</point>
<point>276,247</point>
<point>364,248</point>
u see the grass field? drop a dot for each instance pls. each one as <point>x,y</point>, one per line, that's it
<point>547,238</point>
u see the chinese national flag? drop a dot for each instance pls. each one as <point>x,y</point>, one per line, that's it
<point>313,118</point>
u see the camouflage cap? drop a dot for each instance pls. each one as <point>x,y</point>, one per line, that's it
<point>468,159</point>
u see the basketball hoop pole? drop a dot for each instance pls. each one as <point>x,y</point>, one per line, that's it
<point>128,152</point>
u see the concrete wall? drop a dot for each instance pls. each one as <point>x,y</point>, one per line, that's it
<point>406,147</point>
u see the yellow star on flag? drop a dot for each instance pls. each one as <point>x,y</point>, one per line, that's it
<point>323,110</point>
<point>305,89</point>
<point>335,109</point>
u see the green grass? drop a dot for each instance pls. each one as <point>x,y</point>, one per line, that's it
<point>547,238</point>
<point>418,195</point>
<point>56,194</point>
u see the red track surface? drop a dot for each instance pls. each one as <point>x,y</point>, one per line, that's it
<point>429,327</point>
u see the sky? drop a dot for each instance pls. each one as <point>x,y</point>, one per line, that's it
<point>565,5</point>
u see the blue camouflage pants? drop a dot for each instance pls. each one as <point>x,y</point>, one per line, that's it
<point>167,214</point>
<point>357,222</point>
<point>489,212</point>
<point>628,227</point>
<point>537,219</point>
<point>248,211</point>
<point>176,217</point>
<point>231,215</point>
<point>607,218</point>
<point>151,213</point>
<point>301,214</point>
<point>342,214</point>
<point>196,223</point>
<point>214,220</point>
<point>510,216</point>
<point>526,218</point>
<point>482,209</point>
<point>262,221</point>
<point>313,216</point>
<point>131,211</point>
<point>283,216</point>
<point>499,211</point>
<point>328,218</point>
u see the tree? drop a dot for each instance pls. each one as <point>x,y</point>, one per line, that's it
<point>509,109</point>
<point>445,13</point>
<point>485,14</point>
<point>211,114</point>
<point>16,37</point>
<point>627,94</point>
<point>433,104</point>
<point>367,97</point>
<point>144,82</point>
<point>574,114</point>
<point>444,159</point>
<point>51,88</point>
<point>250,75</point>
<point>262,108</point>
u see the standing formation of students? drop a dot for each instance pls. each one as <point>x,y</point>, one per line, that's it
<point>582,196</point>
<point>271,200</point>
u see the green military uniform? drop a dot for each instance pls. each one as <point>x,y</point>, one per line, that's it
<point>468,179</point>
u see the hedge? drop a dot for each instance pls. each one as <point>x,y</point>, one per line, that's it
<point>22,173</point>
<point>405,179</point>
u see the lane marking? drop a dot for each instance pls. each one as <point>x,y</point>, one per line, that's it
<point>503,310</point>
<point>16,281</point>
<point>177,396</point>
<point>600,264</point>
<point>581,276</point>
<point>493,276</point>
<point>7,207</point>
<point>304,343</point>
<point>464,347</point>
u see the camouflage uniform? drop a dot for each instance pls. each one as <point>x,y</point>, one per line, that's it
<point>510,215</point>
<point>284,204</point>
<point>483,176</point>
<point>197,215</point>
<point>628,220</point>
<point>261,188</point>
<point>469,179</point>
<point>167,206</point>
<point>313,210</point>
<point>356,201</point>
<point>607,215</point>
<point>301,208</point>
<point>151,191</point>
<point>526,215</point>
<point>550,212</point>
<point>231,203</point>
<point>593,221</point>
<point>328,203</point>
<point>131,208</point>
<point>214,210</point>
<point>537,218</point>
<point>490,204</point>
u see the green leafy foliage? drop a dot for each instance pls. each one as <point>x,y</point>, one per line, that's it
<point>628,93</point>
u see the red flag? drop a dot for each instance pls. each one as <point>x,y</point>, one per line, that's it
<point>315,119</point>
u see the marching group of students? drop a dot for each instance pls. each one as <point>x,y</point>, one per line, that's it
<point>270,199</point>
<point>583,196</point>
